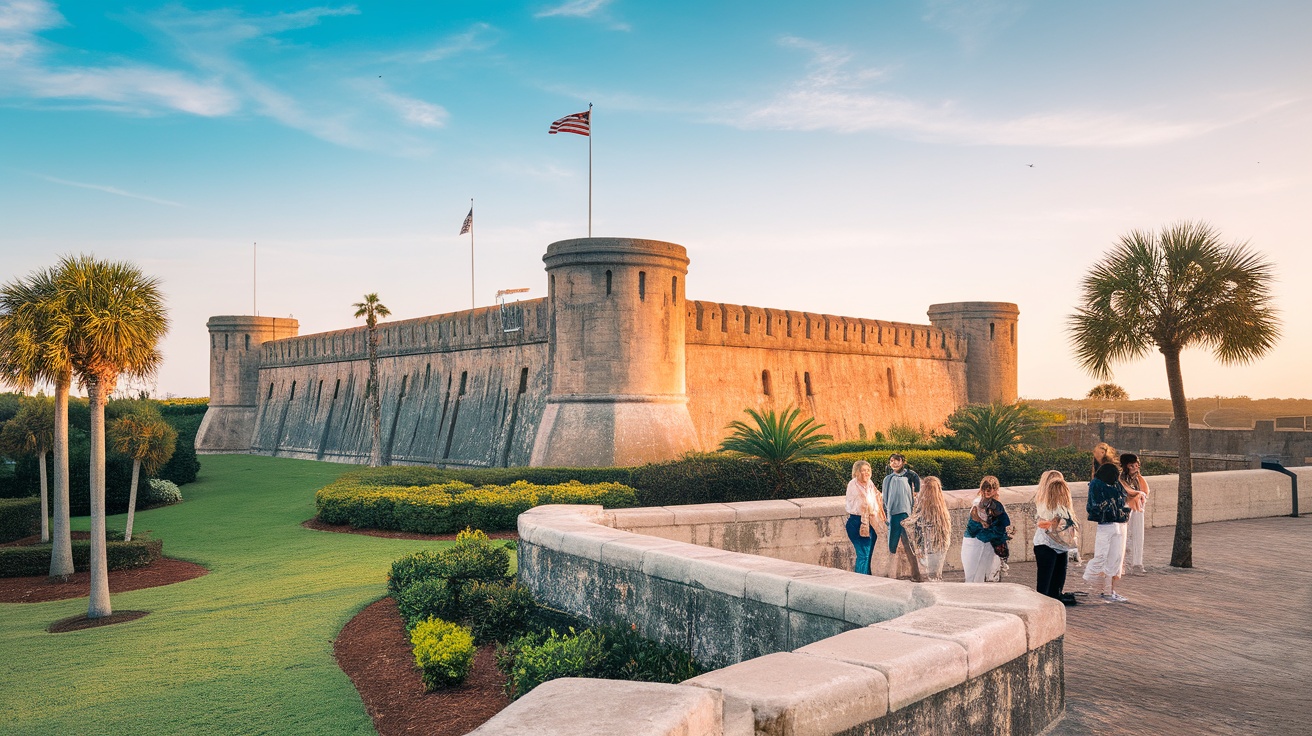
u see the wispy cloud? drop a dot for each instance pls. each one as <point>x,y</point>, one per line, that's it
<point>973,22</point>
<point>479,37</point>
<point>835,97</point>
<point>416,111</point>
<point>109,190</point>
<point>583,9</point>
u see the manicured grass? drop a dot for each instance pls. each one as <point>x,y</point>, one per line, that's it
<point>245,649</point>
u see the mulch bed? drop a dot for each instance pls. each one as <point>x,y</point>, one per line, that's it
<point>374,651</point>
<point>78,623</point>
<point>319,526</point>
<point>40,588</point>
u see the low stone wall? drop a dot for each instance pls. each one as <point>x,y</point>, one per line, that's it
<point>803,649</point>
<point>811,530</point>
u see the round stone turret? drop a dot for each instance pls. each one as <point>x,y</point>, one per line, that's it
<point>235,342</point>
<point>990,332</point>
<point>618,392</point>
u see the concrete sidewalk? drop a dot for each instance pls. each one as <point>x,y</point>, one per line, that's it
<point>1223,648</point>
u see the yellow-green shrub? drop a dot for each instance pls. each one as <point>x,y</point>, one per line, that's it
<point>444,651</point>
<point>446,507</point>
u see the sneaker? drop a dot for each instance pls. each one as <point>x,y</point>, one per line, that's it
<point>1137,570</point>
<point>1114,597</point>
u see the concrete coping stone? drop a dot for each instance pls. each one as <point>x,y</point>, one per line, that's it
<point>915,666</point>
<point>989,638</point>
<point>790,693</point>
<point>637,518</point>
<point>1044,617</point>
<point>702,513</point>
<point>627,553</point>
<point>569,707</point>
<point>764,510</point>
<point>809,508</point>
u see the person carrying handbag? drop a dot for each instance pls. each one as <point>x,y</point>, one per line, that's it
<point>1055,535</point>
<point>865,514</point>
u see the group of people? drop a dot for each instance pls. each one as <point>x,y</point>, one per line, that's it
<point>912,512</point>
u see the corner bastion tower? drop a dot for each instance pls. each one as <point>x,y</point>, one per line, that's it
<point>615,366</point>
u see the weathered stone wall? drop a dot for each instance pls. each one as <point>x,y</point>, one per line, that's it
<point>807,649</point>
<point>1238,446</point>
<point>455,389</point>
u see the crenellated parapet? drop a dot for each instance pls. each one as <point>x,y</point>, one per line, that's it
<point>733,325</point>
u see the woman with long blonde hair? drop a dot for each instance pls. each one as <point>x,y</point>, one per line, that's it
<point>1103,453</point>
<point>932,525</point>
<point>865,510</point>
<point>1053,538</point>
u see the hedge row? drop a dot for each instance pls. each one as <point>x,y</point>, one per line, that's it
<point>443,508</point>
<point>19,517</point>
<point>35,559</point>
<point>955,469</point>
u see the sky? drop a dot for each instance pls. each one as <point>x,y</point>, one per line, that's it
<point>865,159</point>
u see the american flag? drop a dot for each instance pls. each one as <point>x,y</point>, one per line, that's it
<point>578,123</point>
<point>469,222</point>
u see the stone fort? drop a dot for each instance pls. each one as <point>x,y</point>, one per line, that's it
<point>615,366</point>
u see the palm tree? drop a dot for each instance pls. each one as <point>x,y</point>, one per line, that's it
<point>371,309</point>
<point>32,432</point>
<point>117,319</point>
<point>144,436</point>
<point>1173,290</point>
<point>989,429</point>
<point>33,347</point>
<point>776,439</point>
<point>1108,392</point>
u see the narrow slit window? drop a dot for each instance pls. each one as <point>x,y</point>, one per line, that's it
<point>225,342</point>
<point>337,389</point>
<point>674,288</point>
<point>608,278</point>
<point>292,395</point>
<point>248,342</point>
<point>464,377</point>
<point>765,383</point>
<point>806,379</point>
<point>990,330</point>
<point>523,380</point>
<point>642,286</point>
<point>1013,334</point>
<point>892,389</point>
<point>270,394</point>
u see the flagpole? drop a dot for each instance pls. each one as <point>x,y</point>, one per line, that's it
<point>255,278</point>
<point>589,169</point>
<point>471,253</point>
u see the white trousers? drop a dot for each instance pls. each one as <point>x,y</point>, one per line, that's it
<point>977,559</point>
<point>931,565</point>
<point>1108,555</point>
<point>1134,540</point>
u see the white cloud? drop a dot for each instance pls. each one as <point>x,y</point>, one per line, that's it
<point>474,39</point>
<point>583,9</point>
<point>832,97</point>
<point>109,190</point>
<point>415,111</point>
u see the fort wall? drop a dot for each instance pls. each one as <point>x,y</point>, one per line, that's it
<point>614,367</point>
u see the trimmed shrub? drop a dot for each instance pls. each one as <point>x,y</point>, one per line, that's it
<point>417,476</point>
<point>430,598</point>
<point>629,656</point>
<point>473,557</point>
<point>956,469</point>
<point>19,517</point>
<point>558,655</point>
<point>411,569</point>
<point>717,478</point>
<point>501,612</point>
<point>35,559</point>
<point>444,651</point>
<point>447,507</point>
<point>161,492</point>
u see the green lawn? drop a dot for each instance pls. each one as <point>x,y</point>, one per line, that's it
<point>244,649</point>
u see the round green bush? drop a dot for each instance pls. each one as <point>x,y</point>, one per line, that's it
<point>444,651</point>
<point>160,492</point>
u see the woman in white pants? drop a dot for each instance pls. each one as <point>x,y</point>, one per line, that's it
<point>978,559</point>
<point>1136,488</point>
<point>1106,507</point>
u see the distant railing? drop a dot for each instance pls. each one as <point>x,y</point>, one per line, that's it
<point>1081,415</point>
<point>1301,423</point>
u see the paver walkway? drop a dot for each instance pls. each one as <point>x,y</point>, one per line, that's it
<point>1224,648</point>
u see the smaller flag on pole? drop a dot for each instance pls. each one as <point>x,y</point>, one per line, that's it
<point>578,123</point>
<point>469,222</point>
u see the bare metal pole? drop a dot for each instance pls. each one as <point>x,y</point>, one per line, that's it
<point>589,169</point>
<point>255,276</point>
<point>471,253</point>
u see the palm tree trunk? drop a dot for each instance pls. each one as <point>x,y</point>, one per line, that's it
<point>132,499</point>
<point>375,408</point>
<point>1182,551</point>
<point>45,503</point>
<point>98,606</point>
<point>61,549</point>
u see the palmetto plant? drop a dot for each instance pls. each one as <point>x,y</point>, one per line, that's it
<point>988,429</point>
<point>371,309</point>
<point>776,439</point>
<point>1173,290</point>
<point>33,347</point>
<point>115,320</point>
<point>1108,392</point>
<point>150,441</point>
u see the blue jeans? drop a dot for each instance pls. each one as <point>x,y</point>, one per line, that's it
<point>864,545</point>
<point>895,531</point>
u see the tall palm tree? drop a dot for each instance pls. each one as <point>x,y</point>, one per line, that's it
<point>33,347</point>
<point>117,319</point>
<point>32,432</point>
<point>144,436</point>
<point>371,309</point>
<point>1173,290</point>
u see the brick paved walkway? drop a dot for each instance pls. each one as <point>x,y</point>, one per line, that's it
<point>1224,648</point>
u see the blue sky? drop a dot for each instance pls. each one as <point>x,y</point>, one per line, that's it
<point>855,158</point>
